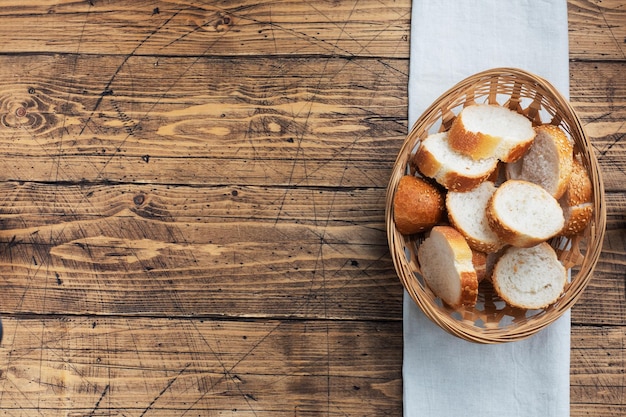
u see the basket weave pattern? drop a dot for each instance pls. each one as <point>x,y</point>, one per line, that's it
<point>492,320</point>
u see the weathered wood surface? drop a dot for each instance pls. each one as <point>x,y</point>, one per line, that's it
<point>192,219</point>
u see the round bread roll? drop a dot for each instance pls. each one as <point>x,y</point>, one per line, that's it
<point>417,205</point>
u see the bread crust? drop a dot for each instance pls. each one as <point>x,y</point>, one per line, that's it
<point>474,144</point>
<point>468,278</point>
<point>579,188</point>
<point>508,298</point>
<point>417,205</point>
<point>508,234</point>
<point>430,167</point>
<point>577,218</point>
<point>566,158</point>
<point>487,243</point>
<point>577,200</point>
<point>480,145</point>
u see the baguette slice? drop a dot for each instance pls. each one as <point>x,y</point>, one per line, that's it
<point>455,171</point>
<point>548,162</point>
<point>523,214</point>
<point>467,211</point>
<point>577,201</point>
<point>529,278</point>
<point>446,262</point>
<point>417,205</point>
<point>486,130</point>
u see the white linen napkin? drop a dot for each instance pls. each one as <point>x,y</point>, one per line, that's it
<point>445,376</point>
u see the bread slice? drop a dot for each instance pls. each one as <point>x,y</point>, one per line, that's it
<point>576,202</point>
<point>548,161</point>
<point>417,205</point>
<point>467,213</point>
<point>529,278</point>
<point>486,130</point>
<point>446,264</point>
<point>523,214</point>
<point>480,262</point>
<point>435,159</point>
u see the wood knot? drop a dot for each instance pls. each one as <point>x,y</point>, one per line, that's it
<point>139,199</point>
<point>223,23</point>
<point>24,111</point>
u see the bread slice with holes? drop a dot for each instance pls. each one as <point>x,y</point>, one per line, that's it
<point>524,214</point>
<point>529,278</point>
<point>435,159</point>
<point>490,130</point>
<point>446,264</point>
<point>548,162</point>
<point>467,212</point>
<point>577,201</point>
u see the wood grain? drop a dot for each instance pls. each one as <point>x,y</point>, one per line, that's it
<point>192,366</point>
<point>193,207</point>
<point>191,28</point>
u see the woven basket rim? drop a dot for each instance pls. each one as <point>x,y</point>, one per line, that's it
<point>543,96</point>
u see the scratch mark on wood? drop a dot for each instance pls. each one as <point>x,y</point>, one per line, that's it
<point>164,390</point>
<point>104,392</point>
<point>107,88</point>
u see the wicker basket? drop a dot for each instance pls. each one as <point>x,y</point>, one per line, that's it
<point>492,320</point>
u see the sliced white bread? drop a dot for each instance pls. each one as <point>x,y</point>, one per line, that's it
<point>485,130</point>
<point>417,205</point>
<point>548,161</point>
<point>467,211</point>
<point>524,214</point>
<point>576,202</point>
<point>529,278</point>
<point>446,264</point>
<point>435,159</point>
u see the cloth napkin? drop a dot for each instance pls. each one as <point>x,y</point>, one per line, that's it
<point>445,376</point>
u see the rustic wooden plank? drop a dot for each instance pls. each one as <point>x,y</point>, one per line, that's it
<point>597,29</point>
<point>123,366</point>
<point>600,386</point>
<point>598,94</point>
<point>122,249</point>
<point>280,27</point>
<point>254,121</point>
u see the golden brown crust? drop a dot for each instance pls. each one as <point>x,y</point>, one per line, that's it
<point>469,288</point>
<point>474,144</point>
<point>577,200</point>
<point>505,233</point>
<point>426,162</point>
<point>417,205</point>
<point>462,251</point>
<point>479,260</point>
<point>577,218</point>
<point>566,157</point>
<point>517,152</point>
<point>580,189</point>
<point>480,245</point>
<point>429,166</point>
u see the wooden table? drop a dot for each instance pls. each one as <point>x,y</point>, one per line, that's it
<point>193,194</point>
